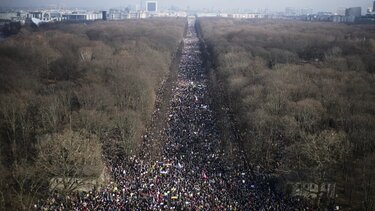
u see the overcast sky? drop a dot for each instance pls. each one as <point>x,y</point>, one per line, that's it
<point>317,5</point>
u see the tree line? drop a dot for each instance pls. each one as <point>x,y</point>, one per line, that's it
<point>71,93</point>
<point>302,96</point>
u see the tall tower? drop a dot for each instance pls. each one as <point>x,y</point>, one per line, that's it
<point>354,11</point>
<point>151,6</point>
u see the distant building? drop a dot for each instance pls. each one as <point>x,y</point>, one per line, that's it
<point>224,15</point>
<point>104,15</point>
<point>343,19</point>
<point>245,15</point>
<point>45,16</point>
<point>171,13</point>
<point>137,15</point>
<point>354,11</point>
<point>152,6</point>
<point>55,16</point>
<point>7,16</point>
<point>82,17</point>
<point>368,19</point>
<point>341,11</point>
<point>94,16</point>
<point>115,14</point>
<point>74,17</point>
<point>320,17</point>
<point>207,14</point>
<point>373,7</point>
<point>369,10</point>
<point>38,15</point>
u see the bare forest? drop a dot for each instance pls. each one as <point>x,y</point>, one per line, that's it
<point>68,91</point>
<point>302,99</point>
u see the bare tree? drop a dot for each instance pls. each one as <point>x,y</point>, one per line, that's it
<point>366,177</point>
<point>28,182</point>
<point>71,158</point>
<point>3,185</point>
<point>316,156</point>
<point>10,110</point>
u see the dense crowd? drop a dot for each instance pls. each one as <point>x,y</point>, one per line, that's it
<point>192,173</point>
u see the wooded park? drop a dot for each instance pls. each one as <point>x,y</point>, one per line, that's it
<point>302,99</point>
<point>70,90</point>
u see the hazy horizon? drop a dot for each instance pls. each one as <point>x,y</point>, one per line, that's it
<point>316,5</point>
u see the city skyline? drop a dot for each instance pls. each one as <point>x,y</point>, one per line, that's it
<point>316,5</point>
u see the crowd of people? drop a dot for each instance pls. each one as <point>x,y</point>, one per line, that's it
<point>192,172</point>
